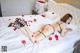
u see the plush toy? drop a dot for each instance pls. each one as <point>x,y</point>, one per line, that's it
<point>40,7</point>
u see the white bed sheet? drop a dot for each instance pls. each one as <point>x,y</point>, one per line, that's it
<point>12,39</point>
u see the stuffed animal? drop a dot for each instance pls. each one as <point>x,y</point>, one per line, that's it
<point>40,7</point>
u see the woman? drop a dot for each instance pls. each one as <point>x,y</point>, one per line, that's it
<point>49,29</point>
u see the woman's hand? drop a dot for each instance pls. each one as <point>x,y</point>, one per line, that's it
<point>68,29</point>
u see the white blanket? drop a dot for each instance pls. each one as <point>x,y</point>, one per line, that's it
<point>12,39</point>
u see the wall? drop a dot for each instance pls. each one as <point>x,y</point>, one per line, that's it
<point>75,3</point>
<point>16,7</point>
<point>0,11</point>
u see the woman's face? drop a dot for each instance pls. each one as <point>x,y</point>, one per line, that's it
<point>69,20</point>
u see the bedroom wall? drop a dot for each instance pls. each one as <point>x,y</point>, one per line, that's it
<point>16,7</point>
<point>75,3</point>
<point>0,11</point>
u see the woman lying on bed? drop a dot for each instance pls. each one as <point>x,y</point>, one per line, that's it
<point>49,29</point>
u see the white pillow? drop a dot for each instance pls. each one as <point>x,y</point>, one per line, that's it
<point>72,26</point>
<point>52,16</point>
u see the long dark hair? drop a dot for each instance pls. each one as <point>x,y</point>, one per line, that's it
<point>66,17</point>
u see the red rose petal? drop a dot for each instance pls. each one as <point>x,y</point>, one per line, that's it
<point>30,21</point>
<point>23,42</point>
<point>56,37</point>
<point>43,15</point>
<point>9,19</point>
<point>15,29</point>
<point>52,33</point>
<point>41,1</point>
<point>35,20</point>
<point>35,41</point>
<point>50,38</point>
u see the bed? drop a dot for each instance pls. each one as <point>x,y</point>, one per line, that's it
<point>12,39</point>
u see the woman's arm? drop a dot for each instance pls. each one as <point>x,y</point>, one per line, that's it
<point>65,31</point>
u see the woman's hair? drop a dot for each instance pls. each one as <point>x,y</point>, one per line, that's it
<point>66,17</point>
